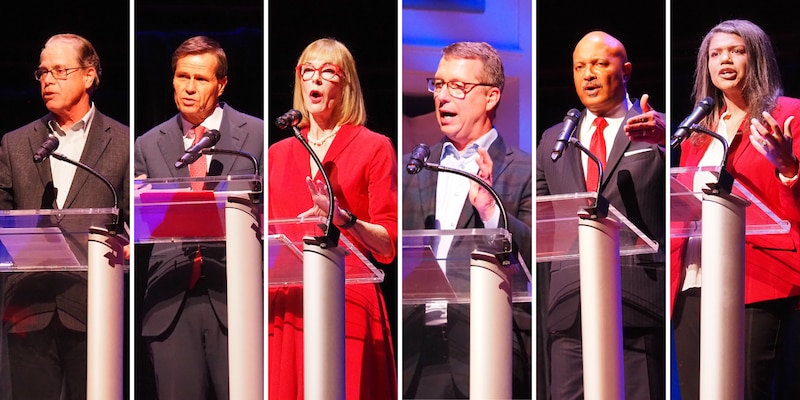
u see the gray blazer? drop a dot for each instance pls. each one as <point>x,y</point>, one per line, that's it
<point>34,297</point>
<point>169,270</point>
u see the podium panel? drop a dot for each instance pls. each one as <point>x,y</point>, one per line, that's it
<point>48,240</point>
<point>170,210</point>
<point>557,224</point>
<point>428,277</point>
<point>285,252</point>
<point>686,185</point>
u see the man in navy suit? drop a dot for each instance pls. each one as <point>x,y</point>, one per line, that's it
<point>184,317</point>
<point>466,90</point>
<point>634,183</point>
<point>44,316</point>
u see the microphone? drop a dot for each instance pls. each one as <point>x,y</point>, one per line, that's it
<point>289,119</point>
<point>50,144</point>
<point>209,139</point>
<point>570,123</point>
<point>46,149</point>
<point>702,110</point>
<point>419,156</point>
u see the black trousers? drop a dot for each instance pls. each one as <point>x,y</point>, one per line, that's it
<point>765,336</point>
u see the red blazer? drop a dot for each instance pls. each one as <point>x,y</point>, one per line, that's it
<point>772,262</point>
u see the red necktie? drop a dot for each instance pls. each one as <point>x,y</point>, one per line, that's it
<point>197,169</point>
<point>598,147</point>
<point>200,166</point>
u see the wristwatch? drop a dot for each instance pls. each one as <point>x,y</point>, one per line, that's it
<point>352,221</point>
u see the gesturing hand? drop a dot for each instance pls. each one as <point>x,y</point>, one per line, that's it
<point>319,194</point>
<point>774,144</point>
<point>480,198</point>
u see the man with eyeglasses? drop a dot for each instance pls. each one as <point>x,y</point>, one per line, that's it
<point>633,136</point>
<point>44,317</point>
<point>466,91</point>
<point>184,310</point>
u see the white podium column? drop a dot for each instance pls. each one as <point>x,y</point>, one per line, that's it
<point>104,320</point>
<point>323,322</point>
<point>490,329</point>
<point>245,287</point>
<point>722,301</point>
<point>601,309</point>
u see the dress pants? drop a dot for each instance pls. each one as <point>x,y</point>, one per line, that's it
<point>765,338</point>
<point>190,360</point>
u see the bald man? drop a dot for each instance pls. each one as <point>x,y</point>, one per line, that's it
<point>634,181</point>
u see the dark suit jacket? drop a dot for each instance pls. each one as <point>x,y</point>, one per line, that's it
<point>169,269</point>
<point>633,182</point>
<point>512,181</point>
<point>31,299</point>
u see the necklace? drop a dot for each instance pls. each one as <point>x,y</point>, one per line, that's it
<point>322,141</point>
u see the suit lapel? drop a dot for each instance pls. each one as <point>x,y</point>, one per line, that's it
<point>427,188</point>
<point>171,146</point>
<point>35,141</point>
<point>96,142</point>
<point>621,144</point>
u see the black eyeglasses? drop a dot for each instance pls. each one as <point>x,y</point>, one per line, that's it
<point>456,89</point>
<point>58,73</point>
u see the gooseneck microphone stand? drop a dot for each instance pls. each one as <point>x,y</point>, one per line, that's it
<point>601,295</point>
<point>491,319</point>
<point>722,256</point>
<point>323,302</point>
<point>105,302</point>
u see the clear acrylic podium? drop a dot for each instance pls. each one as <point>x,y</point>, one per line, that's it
<point>474,273</point>
<point>77,240</point>
<point>296,259</point>
<point>567,228</point>
<point>168,210</point>
<point>721,220</point>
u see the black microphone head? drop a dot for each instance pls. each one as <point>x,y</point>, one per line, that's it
<point>706,104</point>
<point>214,135</point>
<point>573,114</point>
<point>289,119</point>
<point>419,156</point>
<point>48,147</point>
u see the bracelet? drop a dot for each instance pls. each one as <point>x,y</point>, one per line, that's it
<point>352,221</point>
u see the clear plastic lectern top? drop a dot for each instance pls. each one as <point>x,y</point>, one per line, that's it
<point>432,272</point>
<point>686,185</point>
<point>557,223</point>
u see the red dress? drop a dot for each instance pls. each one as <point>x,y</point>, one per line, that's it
<point>772,262</point>
<point>362,167</point>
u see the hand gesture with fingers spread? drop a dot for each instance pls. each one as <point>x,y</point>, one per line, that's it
<point>319,194</point>
<point>774,144</point>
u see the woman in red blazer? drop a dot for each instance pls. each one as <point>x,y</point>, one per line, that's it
<point>736,67</point>
<point>362,167</point>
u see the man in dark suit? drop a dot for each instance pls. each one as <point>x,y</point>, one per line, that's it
<point>44,316</point>
<point>467,87</point>
<point>184,321</point>
<point>634,183</point>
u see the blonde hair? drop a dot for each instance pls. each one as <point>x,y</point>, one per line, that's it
<point>351,110</point>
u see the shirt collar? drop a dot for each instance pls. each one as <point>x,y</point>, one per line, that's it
<point>486,140</point>
<point>81,127</point>
<point>213,121</point>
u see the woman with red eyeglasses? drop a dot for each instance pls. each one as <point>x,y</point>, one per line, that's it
<point>362,167</point>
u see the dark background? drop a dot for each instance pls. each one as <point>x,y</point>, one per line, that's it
<point>25,29</point>
<point>641,32</point>
<point>369,30</point>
